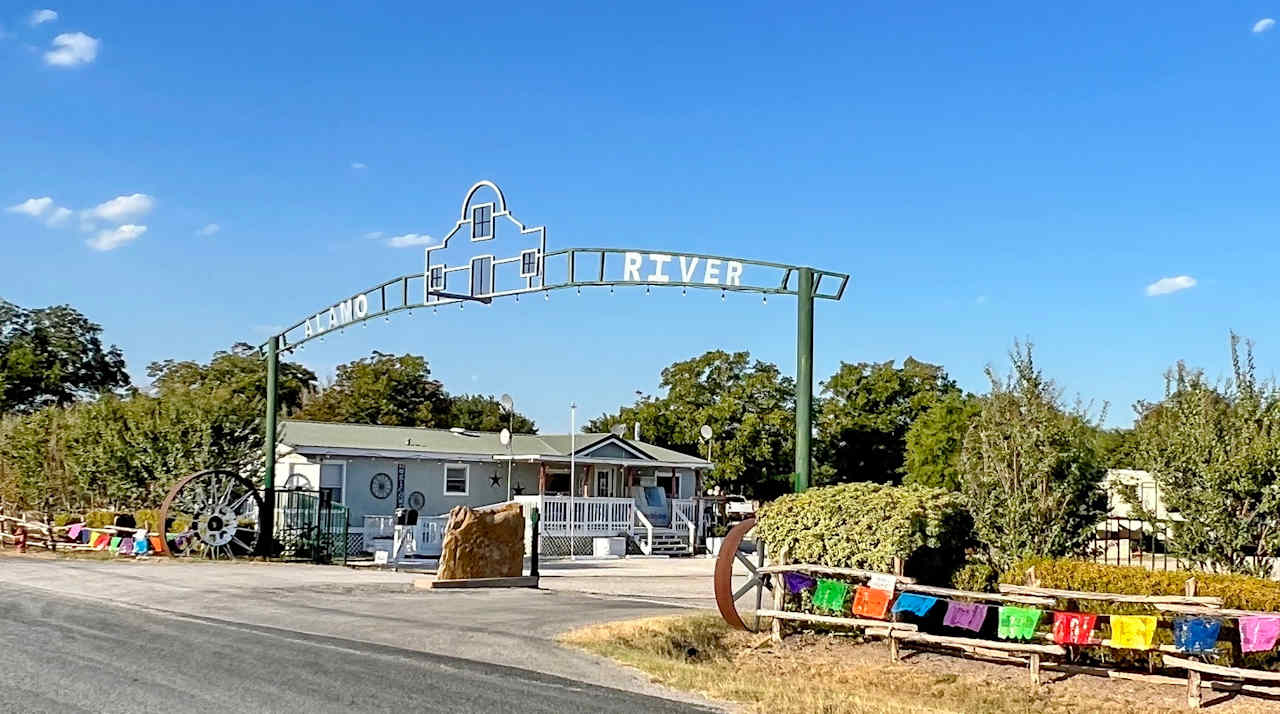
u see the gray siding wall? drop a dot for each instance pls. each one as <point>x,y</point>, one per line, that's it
<point>427,477</point>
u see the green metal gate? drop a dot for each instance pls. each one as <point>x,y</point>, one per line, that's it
<point>310,527</point>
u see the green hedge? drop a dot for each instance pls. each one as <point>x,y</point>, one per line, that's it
<point>864,525</point>
<point>1240,592</point>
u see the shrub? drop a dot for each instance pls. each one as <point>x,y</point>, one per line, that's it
<point>864,525</point>
<point>63,519</point>
<point>148,518</point>
<point>975,577</point>
<point>1240,592</point>
<point>98,519</point>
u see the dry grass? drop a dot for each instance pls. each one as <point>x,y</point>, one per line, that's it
<point>830,675</point>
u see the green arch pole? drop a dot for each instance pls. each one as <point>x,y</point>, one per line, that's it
<point>804,377</point>
<point>267,521</point>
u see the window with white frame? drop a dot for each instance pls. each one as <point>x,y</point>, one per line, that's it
<point>482,222</point>
<point>528,263</point>
<point>437,277</point>
<point>333,479</point>
<point>456,478</point>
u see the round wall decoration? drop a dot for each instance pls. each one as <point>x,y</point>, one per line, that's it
<point>380,485</point>
<point>417,500</point>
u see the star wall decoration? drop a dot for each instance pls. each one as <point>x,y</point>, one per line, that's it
<point>495,480</point>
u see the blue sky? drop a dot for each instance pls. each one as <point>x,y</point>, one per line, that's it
<point>984,174</point>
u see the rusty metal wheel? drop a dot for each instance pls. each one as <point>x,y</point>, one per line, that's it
<point>738,607</point>
<point>213,514</point>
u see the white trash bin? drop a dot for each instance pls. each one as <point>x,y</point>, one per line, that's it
<point>609,547</point>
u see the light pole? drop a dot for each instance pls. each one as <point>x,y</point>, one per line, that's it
<point>573,470</point>
<point>509,405</point>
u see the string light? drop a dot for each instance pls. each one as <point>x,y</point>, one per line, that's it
<point>684,291</point>
<point>721,296</point>
<point>546,296</point>
<point>764,299</point>
<point>579,290</point>
<point>610,289</point>
<point>646,290</point>
<point>435,310</point>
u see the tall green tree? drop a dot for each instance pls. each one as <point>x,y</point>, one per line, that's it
<point>1030,470</point>
<point>1214,450</point>
<point>53,356</point>
<point>749,405</point>
<point>383,389</point>
<point>239,373</point>
<point>935,439</point>
<point>485,413</point>
<point>864,414</point>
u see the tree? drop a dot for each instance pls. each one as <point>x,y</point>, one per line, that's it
<point>935,440</point>
<point>864,414</point>
<point>239,373</point>
<point>1214,451</point>
<point>383,389</point>
<point>1029,469</point>
<point>53,356</point>
<point>750,407</point>
<point>1118,448</point>
<point>484,413</point>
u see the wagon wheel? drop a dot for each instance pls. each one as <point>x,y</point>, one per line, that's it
<point>217,514</point>
<point>739,607</point>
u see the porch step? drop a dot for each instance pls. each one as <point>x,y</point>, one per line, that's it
<point>666,541</point>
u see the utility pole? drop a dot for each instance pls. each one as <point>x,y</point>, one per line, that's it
<point>804,376</point>
<point>267,520</point>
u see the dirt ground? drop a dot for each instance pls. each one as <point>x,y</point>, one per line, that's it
<point>835,674</point>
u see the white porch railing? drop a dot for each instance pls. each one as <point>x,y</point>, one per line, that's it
<point>423,540</point>
<point>590,517</point>
<point>678,519</point>
<point>686,507</point>
<point>379,527</point>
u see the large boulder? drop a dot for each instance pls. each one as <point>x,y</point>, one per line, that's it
<point>483,543</point>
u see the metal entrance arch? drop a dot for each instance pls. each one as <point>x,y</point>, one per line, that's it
<point>472,271</point>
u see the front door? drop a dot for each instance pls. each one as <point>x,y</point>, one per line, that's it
<point>604,483</point>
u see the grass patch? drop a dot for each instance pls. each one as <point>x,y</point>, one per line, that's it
<point>837,675</point>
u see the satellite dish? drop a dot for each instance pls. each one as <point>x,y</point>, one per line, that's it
<point>504,436</point>
<point>706,432</point>
<point>618,430</point>
<point>507,402</point>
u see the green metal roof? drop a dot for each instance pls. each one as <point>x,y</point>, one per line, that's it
<point>376,437</point>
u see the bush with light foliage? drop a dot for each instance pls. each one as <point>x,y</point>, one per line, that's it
<point>864,525</point>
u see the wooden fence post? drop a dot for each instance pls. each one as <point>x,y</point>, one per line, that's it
<point>1193,677</point>
<point>898,569</point>
<point>779,596</point>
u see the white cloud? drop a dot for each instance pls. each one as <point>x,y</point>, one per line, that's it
<point>209,230</point>
<point>358,165</point>
<point>116,237</point>
<point>58,217</point>
<point>409,239</point>
<point>123,208</point>
<point>71,49</point>
<point>373,235</point>
<point>34,207</point>
<point>1164,286</point>
<point>1263,25</point>
<point>41,16</point>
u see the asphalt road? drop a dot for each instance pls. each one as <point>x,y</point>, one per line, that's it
<point>68,654</point>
